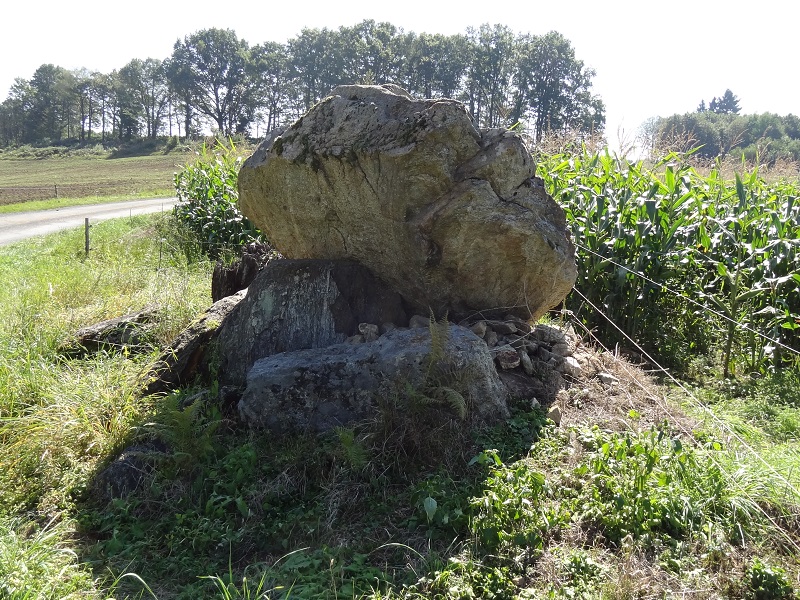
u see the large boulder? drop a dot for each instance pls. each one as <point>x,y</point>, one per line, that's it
<point>298,305</point>
<point>290,305</point>
<point>451,216</point>
<point>323,388</point>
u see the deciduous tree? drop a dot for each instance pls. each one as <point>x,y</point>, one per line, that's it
<point>210,67</point>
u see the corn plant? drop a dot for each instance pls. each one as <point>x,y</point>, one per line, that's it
<point>208,202</point>
<point>686,264</point>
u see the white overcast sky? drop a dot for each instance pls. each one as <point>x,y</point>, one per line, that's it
<point>652,59</point>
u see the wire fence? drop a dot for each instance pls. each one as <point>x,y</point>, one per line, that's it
<point>704,307</point>
<point>741,445</point>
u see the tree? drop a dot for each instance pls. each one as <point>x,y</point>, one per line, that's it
<point>433,65</point>
<point>214,76</point>
<point>14,111</point>
<point>489,73</point>
<point>50,115</point>
<point>372,57</point>
<point>318,64</point>
<point>764,137</point>
<point>179,77</point>
<point>210,68</point>
<point>146,92</point>
<point>271,74</point>
<point>728,104</point>
<point>553,88</point>
<point>103,90</point>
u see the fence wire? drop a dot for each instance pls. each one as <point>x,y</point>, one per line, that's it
<point>698,404</point>
<point>677,294</point>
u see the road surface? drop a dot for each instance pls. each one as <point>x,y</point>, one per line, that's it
<point>19,226</point>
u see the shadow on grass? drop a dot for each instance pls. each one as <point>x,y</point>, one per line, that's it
<point>342,513</point>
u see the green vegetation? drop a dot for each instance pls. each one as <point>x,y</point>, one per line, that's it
<point>719,259</point>
<point>207,206</point>
<point>630,497</point>
<point>68,180</point>
<point>31,177</point>
<point>214,79</point>
<point>762,138</point>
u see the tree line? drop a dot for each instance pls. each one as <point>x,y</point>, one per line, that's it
<point>716,129</point>
<point>215,79</point>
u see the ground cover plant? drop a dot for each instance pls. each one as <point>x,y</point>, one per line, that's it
<point>638,492</point>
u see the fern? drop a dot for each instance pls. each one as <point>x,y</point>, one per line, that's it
<point>454,399</point>
<point>440,334</point>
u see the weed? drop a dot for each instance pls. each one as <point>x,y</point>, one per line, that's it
<point>768,583</point>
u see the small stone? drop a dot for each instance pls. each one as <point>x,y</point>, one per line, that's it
<point>535,403</point>
<point>554,414</point>
<point>502,327</point>
<point>369,331</point>
<point>571,367</point>
<point>518,342</point>
<point>491,338</point>
<point>386,327</point>
<point>562,349</point>
<point>506,357</point>
<point>526,362</point>
<point>531,347</point>
<point>479,328</point>
<point>607,379</point>
<point>522,326</point>
<point>355,339</point>
<point>548,334</point>
<point>543,354</point>
<point>419,322</point>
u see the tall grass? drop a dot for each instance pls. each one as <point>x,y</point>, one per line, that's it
<point>37,562</point>
<point>58,418</point>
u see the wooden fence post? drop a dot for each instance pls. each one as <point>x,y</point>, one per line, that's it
<point>86,223</point>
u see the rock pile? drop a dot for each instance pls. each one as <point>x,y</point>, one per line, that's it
<point>390,210</point>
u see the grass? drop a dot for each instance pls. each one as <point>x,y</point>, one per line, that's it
<point>41,178</point>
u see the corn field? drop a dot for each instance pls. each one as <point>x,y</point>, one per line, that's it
<point>688,265</point>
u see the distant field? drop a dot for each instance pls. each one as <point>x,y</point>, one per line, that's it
<point>26,180</point>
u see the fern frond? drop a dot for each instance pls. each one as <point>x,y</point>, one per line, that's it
<point>454,400</point>
<point>440,333</point>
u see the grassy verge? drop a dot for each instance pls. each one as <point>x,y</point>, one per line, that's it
<point>60,419</point>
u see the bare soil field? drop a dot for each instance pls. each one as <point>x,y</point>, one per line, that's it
<point>24,180</point>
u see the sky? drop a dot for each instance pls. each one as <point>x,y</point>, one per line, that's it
<point>651,59</point>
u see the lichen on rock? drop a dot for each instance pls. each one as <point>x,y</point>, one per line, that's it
<point>451,216</point>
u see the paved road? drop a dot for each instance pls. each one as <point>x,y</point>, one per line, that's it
<point>19,226</point>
